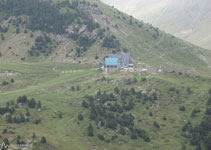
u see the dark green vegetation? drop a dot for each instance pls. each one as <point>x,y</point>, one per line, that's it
<point>42,15</point>
<point>11,109</point>
<point>200,135</point>
<point>45,17</point>
<point>42,45</point>
<point>110,111</point>
<point>53,60</point>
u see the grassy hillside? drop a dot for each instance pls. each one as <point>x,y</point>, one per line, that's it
<point>147,45</point>
<point>53,97</point>
<point>53,87</point>
<point>185,19</point>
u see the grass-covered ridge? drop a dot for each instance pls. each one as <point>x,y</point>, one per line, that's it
<point>61,89</point>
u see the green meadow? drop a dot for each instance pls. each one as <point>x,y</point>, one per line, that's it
<point>52,87</point>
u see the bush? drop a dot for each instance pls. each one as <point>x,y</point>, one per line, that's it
<point>101,137</point>
<point>12,80</point>
<point>37,121</point>
<point>17,30</point>
<point>143,79</point>
<point>4,131</point>
<point>22,99</point>
<point>80,117</point>
<point>156,124</point>
<point>43,140</point>
<point>85,41</point>
<point>208,111</point>
<point>60,116</point>
<point>85,104</point>
<point>116,90</point>
<point>90,130</point>
<point>182,108</point>
<point>133,135</point>
<point>111,42</point>
<point>209,92</point>
<point>111,123</point>
<point>32,103</point>
<point>33,135</point>
<point>5,83</point>
<point>42,46</point>
<point>122,131</point>
<point>2,37</point>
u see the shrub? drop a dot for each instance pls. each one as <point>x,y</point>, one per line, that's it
<point>5,83</point>
<point>85,104</point>
<point>4,131</point>
<point>182,108</point>
<point>80,117</point>
<point>90,130</point>
<point>12,80</point>
<point>122,131</point>
<point>156,124</point>
<point>32,103</point>
<point>43,140</point>
<point>60,116</point>
<point>101,137</point>
<point>33,135</point>
<point>111,42</point>
<point>111,123</point>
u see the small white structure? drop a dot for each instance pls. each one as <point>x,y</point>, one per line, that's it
<point>159,70</point>
<point>144,70</point>
<point>129,68</point>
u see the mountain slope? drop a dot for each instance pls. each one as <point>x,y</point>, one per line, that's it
<point>185,19</point>
<point>53,97</point>
<point>83,41</point>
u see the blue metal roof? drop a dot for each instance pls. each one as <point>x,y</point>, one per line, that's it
<point>123,59</point>
<point>111,62</point>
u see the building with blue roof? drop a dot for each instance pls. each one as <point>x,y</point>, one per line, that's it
<point>123,59</point>
<point>111,62</point>
<point>112,65</point>
<point>117,62</point>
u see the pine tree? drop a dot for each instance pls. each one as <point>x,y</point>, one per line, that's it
<point>116,90</point>
<point>12,80</point>
<point>85,104</point>
<point>90,130</point>
<point>39,105</point>
<point>9,118</point>
<point>80,117</point>
<point>33,135</point>
<point>43,140</point>
<point>60,116</point>
<point>122,131</point>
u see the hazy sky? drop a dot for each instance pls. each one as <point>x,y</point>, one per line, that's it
<point>139,8</point>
